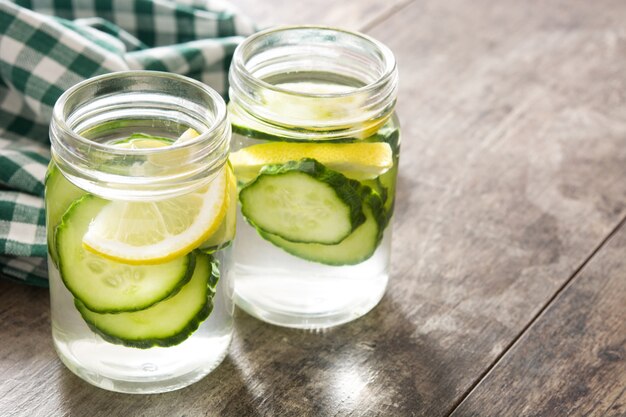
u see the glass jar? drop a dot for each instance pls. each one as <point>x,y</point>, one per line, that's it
<point>139,222</point>
<point>315,150</point>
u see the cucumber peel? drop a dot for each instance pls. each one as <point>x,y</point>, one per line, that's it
<point>303,202</point>
<point>60,194</point>
<point>107,286</point>
<point>359,246</point>
<point>167,323</point>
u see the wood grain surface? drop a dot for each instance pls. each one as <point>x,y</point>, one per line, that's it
<point>513,174</point>
<point>348,14</point>
<point>572,360</point>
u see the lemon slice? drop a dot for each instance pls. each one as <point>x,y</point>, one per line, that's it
<point>324,111</point>
<point>334,109</point>
<point>142,143</point>
<point>187,135</point>
<point>174,159</point>
<point>226,232</point>
<point>361,160</point>
<point>329,109</point>
<point>143,233</point>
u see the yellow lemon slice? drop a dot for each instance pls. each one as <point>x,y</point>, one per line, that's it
<point>173,160</point>
<point>142,143</point>
<point>226,232</point>
<point>303,108</point>
<point>335,109</point>
<point>337,106</point>
<point>187,135</point>
<point>360,160</point>
<point>152,232</point>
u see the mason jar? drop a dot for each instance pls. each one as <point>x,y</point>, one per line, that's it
<point>315,151</point>
<point>140,213</point>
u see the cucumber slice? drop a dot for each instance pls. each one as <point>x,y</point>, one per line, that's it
<point>388,134</point>
<point>60,194</point>
<point>107,286</point>
<point>303,201</point>
<point>385,187</point>
<point>377,186</point>
<point>356,248</point>
<point>388,182</point>
<point>167,323</point>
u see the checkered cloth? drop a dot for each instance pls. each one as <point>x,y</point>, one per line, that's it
<point>47,46</point>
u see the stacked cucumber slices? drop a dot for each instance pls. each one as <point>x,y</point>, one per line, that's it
<point>142,273</point>
<point>323,202</point>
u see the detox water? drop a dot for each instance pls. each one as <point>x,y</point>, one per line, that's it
<point>315,150</point>
<point>119,368</point>
<point>280,287</point>
<point>285,289</point>
<point>124,365</point>
<point>140,217</point>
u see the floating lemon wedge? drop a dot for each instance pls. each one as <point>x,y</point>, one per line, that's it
<point>158,231</point>
<point>226,232</point>
<point>152,232</point>
<point>360,160</point>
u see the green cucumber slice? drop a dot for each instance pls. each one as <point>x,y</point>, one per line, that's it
<point>167,323</point>
<point>389,134</point>
<point>359,246</point>
<point>377,186</point>
<point>388,182</point>
<point>60,194</point>
<point>385,186</point>
<point>107,286</point>
<point>303,201</point>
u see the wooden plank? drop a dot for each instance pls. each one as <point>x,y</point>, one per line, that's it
<point>27,357</point>
<point>572,361</point>
<point>512,171</point>
<point>349,14</point>
<point>510,182</point>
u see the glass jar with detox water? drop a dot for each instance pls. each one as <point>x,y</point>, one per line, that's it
<point>140,211</point>
<point>315,151</point>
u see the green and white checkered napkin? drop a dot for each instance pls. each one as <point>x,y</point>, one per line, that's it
<point>47,46</point>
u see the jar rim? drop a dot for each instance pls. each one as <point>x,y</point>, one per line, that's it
<point>128,95</point>
<point>238,62</point>
<point>58,115</point>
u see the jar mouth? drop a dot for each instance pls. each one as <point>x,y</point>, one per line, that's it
<point>240,61</point>
<point>61,110</point>
<point>91,118</point>
<point>299,81</point>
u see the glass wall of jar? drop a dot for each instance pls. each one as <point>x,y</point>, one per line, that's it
<point>140,213</point>
<point>315,151</point>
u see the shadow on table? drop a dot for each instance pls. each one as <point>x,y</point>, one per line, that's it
<point>377,365</point>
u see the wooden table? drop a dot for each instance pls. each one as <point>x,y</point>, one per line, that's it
<point>508,294</point>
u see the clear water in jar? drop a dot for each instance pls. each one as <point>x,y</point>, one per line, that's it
<point>181,355</point>
<point>287,290</point>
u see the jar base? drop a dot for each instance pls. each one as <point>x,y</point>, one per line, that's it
<point>138,377</point>
<point>304,315</point>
